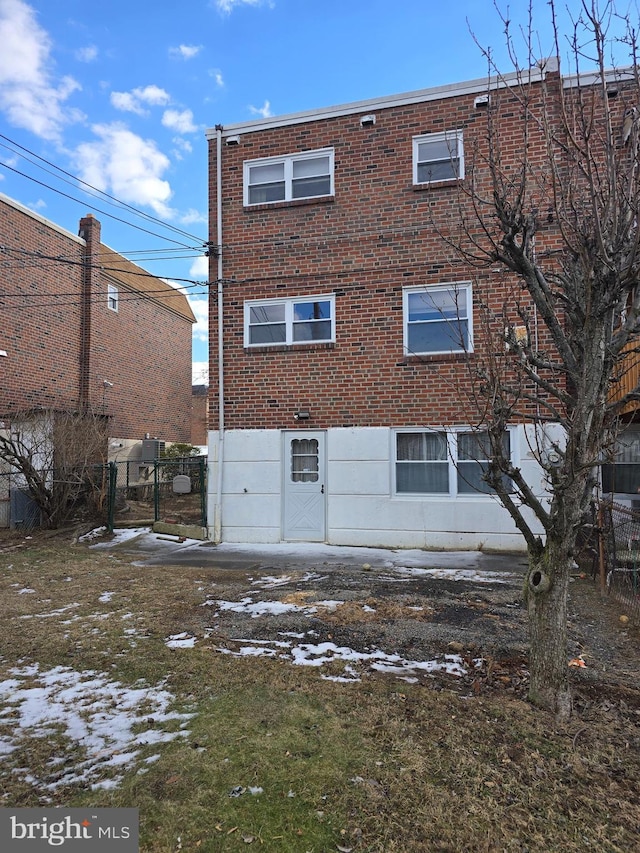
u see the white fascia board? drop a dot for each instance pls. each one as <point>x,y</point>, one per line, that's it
<point>451,90</point>
<point>590,78</point>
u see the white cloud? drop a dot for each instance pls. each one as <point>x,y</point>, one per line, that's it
<point>264,110</point>
<point>182,147</point>
<point>200,307</point>
<point>185,51</point>
<point>127,102</point>
<point>179,120</point>
<point>129,167</point>
<point>29,96</point>
<point>200,267</point>
<point>227,6</point>
<point>194,217</point>
<point>87,54</point>
<point>217,76</point>
<point>200,373</point>
<point>135,100</point>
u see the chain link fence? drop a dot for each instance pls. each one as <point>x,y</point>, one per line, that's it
<point>620,555</point>
<point>118,493</point>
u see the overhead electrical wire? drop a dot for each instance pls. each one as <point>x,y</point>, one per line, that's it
<point>107,269</point>
<point>103,212</point>
<point>95,192</point>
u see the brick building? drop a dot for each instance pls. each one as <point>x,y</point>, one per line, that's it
<point>83,328</point>
<point>349,322</point>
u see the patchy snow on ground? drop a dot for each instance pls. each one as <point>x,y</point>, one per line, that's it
<point>469,575</point>
<point>180,641</point>
<point>101,720</point>
<point>354,663</point>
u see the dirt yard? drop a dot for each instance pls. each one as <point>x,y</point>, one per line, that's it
<point>260,603</point>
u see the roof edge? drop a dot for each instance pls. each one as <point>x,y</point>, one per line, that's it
<point>12,202</point>
<point>450,90</point>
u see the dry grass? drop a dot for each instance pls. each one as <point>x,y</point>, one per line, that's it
<point>378,766</point>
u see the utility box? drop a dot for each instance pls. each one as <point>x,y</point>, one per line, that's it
<point>152,449</point>
<point>181,484</point>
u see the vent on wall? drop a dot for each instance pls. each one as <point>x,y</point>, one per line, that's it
<point>152,449</point>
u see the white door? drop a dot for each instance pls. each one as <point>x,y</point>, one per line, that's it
<point>304,486</point>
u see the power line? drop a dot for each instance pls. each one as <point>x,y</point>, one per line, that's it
<point>82,263</point>
<point>102,212</point>
<point>100,193</point>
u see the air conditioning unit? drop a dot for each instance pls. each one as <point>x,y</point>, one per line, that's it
<point>152,449</point>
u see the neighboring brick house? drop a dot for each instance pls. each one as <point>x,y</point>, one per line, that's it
<point>199,415</point>
<point>342,408</point>
<point>83,328</point>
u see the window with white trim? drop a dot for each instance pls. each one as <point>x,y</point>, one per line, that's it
<point>438,157</point>
<point>448,462</point>
<point>438,319</point>
<point>294,176</point>
<point>303,320</point>
<point>113,297</point>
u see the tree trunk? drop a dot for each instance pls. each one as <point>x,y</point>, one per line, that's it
<point>547,591</point>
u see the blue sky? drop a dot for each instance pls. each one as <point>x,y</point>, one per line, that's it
<point>119,94</point>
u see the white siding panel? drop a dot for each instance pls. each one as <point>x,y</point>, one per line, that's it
<point>358,478</point>
<point>360,507</point>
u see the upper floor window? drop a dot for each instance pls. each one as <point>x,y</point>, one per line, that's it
<point>288,178</point>
<point>112,297</point>
<point>302,320</point>
<point>438,157</point>
<point>437,319</point>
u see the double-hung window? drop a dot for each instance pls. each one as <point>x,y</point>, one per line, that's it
<point>443,462</point>
<point>622,473</point>
<point>112,297</point>
<point>304,320</point>
<point>438,157</point>
<point>288,178</point>
<point>438,319</point>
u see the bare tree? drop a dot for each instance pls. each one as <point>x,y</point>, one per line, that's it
<point>56,457</point>
<point>556,222</point>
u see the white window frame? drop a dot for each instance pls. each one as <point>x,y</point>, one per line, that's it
<point>113,297</point>
<point>464,290</point>
<point>288,161</point>
<point>456,135</point>
<point>451,436</point>
<point>289,320</point>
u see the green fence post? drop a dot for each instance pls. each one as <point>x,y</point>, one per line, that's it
<point>113,487</point>
<point>203,493</point>
<point>156,492</point>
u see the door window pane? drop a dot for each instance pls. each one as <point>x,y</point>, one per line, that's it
<point>304,460</point>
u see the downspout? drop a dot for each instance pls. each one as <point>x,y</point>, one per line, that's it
<point>217,524</point>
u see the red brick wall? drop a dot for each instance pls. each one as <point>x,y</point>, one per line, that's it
<point>376,236</point>
<point>39,315</point>
<point>144,350</point>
